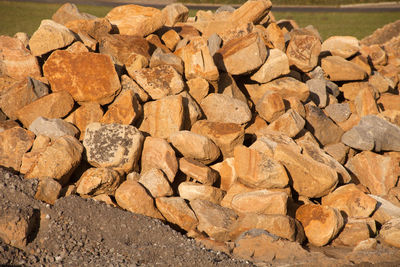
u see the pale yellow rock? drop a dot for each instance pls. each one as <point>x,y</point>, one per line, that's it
<point>277,64</point>
<point>132,196</point>
<point>342,46</point>
<point>136,20</point>
<point>236,188</point>
<point>195,146</point>
<point>290,123</point>
<point>321,223</point>
<point>287,87</point>
<point>157,153</point>
<point>50,36</point>
<point>156,183</point>
<point>257,170</point>
<point>191,191</point>
<point>260,202</point>
<point>198,88</point>
<point>97,181</point>
<point>174,13</point>
<point>176,211</point>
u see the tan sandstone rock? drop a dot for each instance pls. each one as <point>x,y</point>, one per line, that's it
<point>48,190</point>
<point>85,115</point>
<point>97,181</point>
<point>156,183</point>
<point>277,64</point>
<point>191,191</point>
<point>342,46</point>
<point>287,87</point>
<point>339,69</point>
<point>177,211</point>
<point>198,171</point>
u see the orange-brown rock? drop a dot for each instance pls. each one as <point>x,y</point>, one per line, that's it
<point>365,103</point>
<point>85,115</point>
<point>69,12</point>
<point>58,160</point>
<point>176,211</point>
<point>241,55</point>
<point>171,39</point>
<point>342,46</point>
<point>355,231</point>
<point>253,11</point>
<point>277,64</point>
<point>15,60</point>
<point>51,106</point>
<point>156,183</point>
<point>235,188</point>
<point>351,200</point>
<point>389,102</point>
<point>289,123</point>
<point>376,172</point>
<point>157,153</point>
<point>136,20</point>
<point>78,75</point>
<point>321,223</point>
<point>133,197</point>
<point>164,116</point>
<point>257,170</point>
<point>339,69</point>
<point>270,106</point>
<point>77,47</point>
<point>191,191</point>
<point>48,190</point>
<point>227,173</point>
<point>125,109</point>
<point>198,171</point>
<point>286,87</point>
<point>97,181</point>
<point>14,142</point>
<point>352,89</point>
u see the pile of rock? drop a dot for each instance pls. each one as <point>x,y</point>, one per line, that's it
<point>243,131</point>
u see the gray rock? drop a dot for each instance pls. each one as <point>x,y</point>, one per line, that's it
<point>318,92</point>
<point>226,8</point>
<point>373,133</point>
<point>114,146</point>
<point>52,128</point>
<point>40,88</point>
<point>338,112</point>
<point>159,58</point>
<point>214,43</point>
<point>317,73</point>
<point>332,88</point>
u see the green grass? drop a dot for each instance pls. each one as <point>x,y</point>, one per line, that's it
<point>26,17</point>
<point>291,2</point>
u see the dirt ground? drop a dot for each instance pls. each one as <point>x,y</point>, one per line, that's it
<point>84,232</point>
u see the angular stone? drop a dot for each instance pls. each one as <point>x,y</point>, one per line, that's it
<point>390,232</point>
<point>17,61</point>
<point>159,58</point>
<point>376,55</point>
<point>380,82</point>
<point>198,88</point>
<point>198,171</point>
<point>257,170</point>
<point>176,211</point>
<point>156,183</point>
<point>155,41</point>
<point>164,116</point>
<point>252,11</point>
<point>337,151</point>
<point>227,173</point>
<point>225,135</point>
<point>48,190</point>
<point>382,35</point>
<point>191,191</point>
<point>365,103</point>
<point>339,69</point>
<point>125,109</point>
<point>195,146</point>
<point>303,50</point>
<point>23,37</point>
<point>313,151</point>
<point>227,86</point>
<point>52,128</point>
<point>389,102</point>
<point>50,36</point>
<point>351,200</point>
<point>114,146</point>
<point>214,220</point>
<point>78,74</point>
<point>280,225</point>
<point>124,48</point>
<point>287,87</point>
<point>376,172</point>
<point>54,105</point>
<point>373,133</point>
<point>85,115</point>
<point>157,153</point>
<point>385,210</point>
<point>171,38</point>
<point>339,112</point>
<point>277,64</point>
<point>174,13</point>
<point>241,55</point>
<point>270,106</point>
<point>355,231</point>
<point>159,81</point>
<point>132,196</point>
<point>260,202</point>
<point>198,60</point>
<point>226,109</point>
<point>323,128</point>
<point>352,89</point>
<point>98,181</point>
<point>193,110</point>
<point>57,161</point>
<point>106,199</point>
<point>15,96</point>
<point>342,46</point>
<point>318,92</point>
<point>16,225</point>
<point>321,223</point>
<point>136,20</point>
<point>128,84</point>
<point>214,43</point>
<point>267,141</point>
<point>77,47</point>
<point>8,124</point>
<point>274,35</point>
<point>14,143</point>
<point>310,178</point>
<point>69,12</point>
<point>290,123</point>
